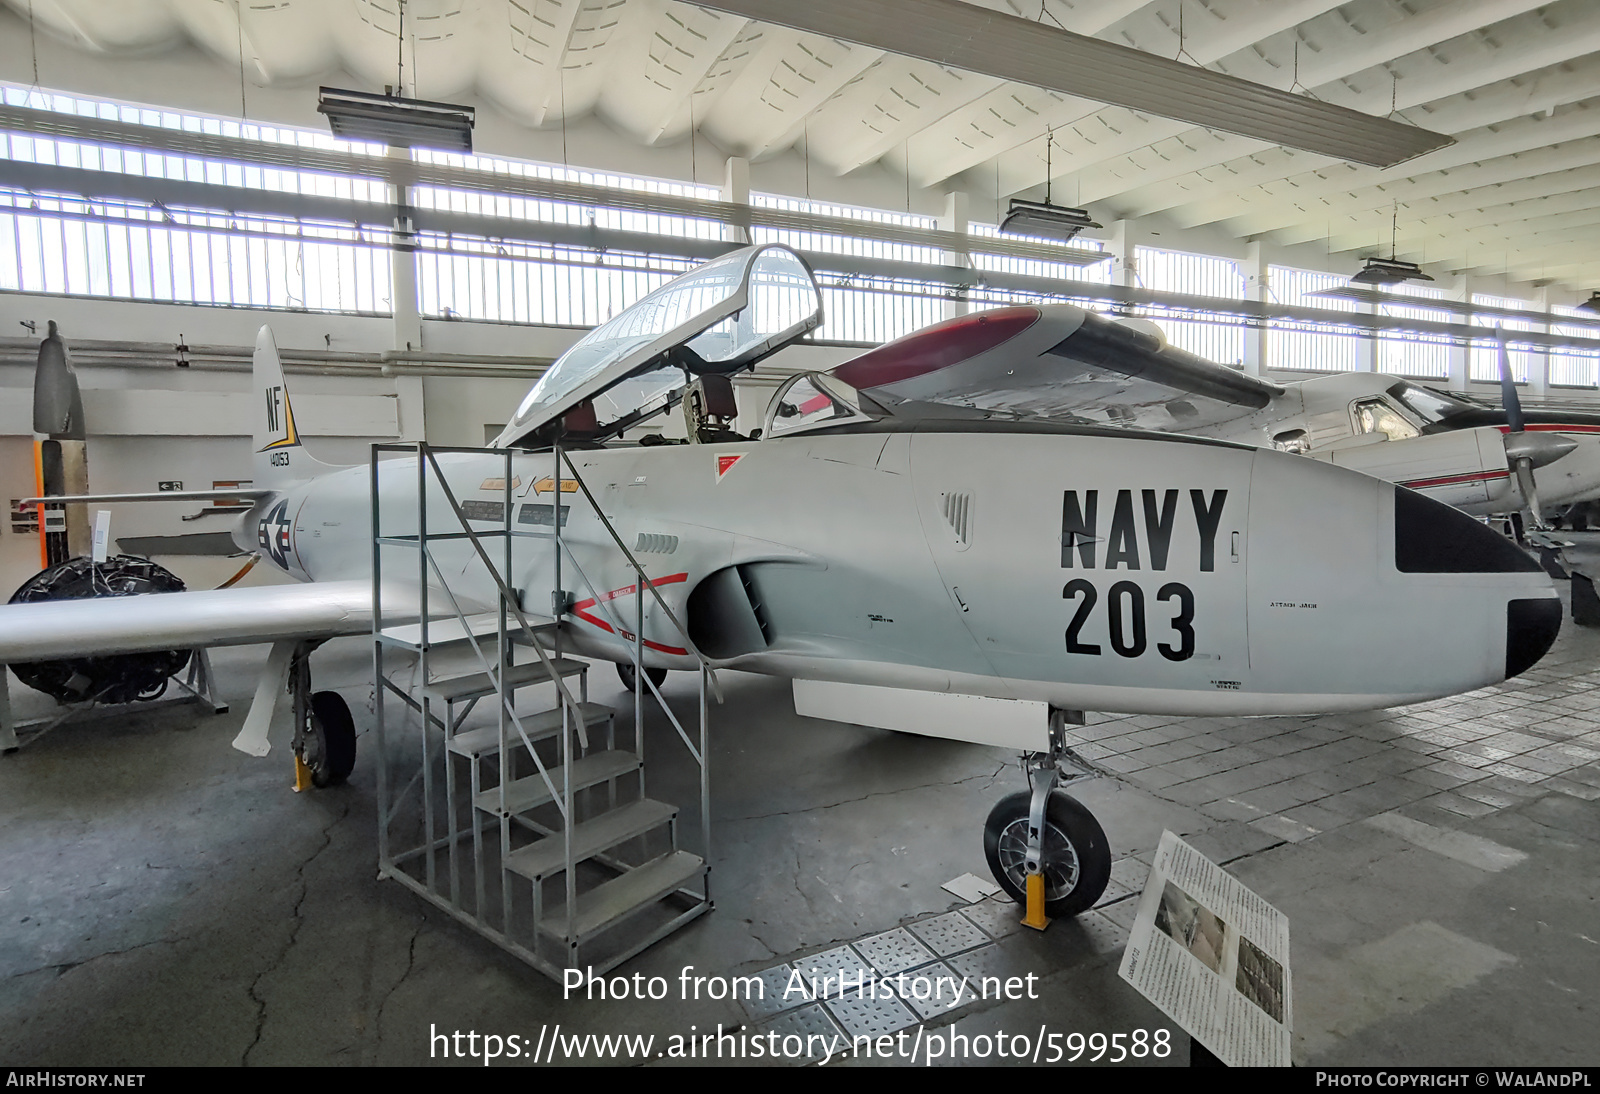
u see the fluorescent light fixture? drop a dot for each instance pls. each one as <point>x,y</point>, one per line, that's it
<point>392,120</point>
<point>1591,304</point>
<point>1388,271</point>
<point>974,38</point>
<point>1045,221</point>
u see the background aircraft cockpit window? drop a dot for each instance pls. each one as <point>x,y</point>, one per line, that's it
<point>1427,404</point>
<point>1377,416</point>
<point>809,401</point>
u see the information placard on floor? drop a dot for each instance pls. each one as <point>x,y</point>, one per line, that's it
<point>1214,957</point>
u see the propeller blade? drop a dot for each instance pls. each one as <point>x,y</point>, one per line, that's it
<point>57,402</point>
<point>1508,386</point>
<point>1524,452</point>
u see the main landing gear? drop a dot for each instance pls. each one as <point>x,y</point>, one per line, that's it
<point>324,732</point>
<point>1044,848</point>
<point>625,673</point>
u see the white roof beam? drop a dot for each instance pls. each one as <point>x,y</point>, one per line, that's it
<point>560,36</point>
<point>1431,248</point>
<point>1522,135</point>
<point>790,126</point>
<point>1513,213</point>
<point>693,68</point>
<point>1103,181</point>
<point>1537,92</point>
<point>1577,37</point>
<point>1289,211</point>
<point>1106,172</point>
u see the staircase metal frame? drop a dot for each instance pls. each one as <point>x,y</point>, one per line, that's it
<point>426,626</point>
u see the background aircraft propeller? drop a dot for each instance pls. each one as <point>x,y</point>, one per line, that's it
<point>1526,451</point>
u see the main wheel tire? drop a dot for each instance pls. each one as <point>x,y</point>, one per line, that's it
<point>1077,857</point>
<point>330,751</point>
<point>625,674</point>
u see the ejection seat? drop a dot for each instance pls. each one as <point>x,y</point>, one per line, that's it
<point>709,410</point>
<point>580,426</point>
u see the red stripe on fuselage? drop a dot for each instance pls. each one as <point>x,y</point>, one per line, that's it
<point>628,590</point>
<point>1544,427</point>
<point>1452,480</point>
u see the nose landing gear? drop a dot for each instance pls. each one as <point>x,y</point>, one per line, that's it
<point>1044,848</point>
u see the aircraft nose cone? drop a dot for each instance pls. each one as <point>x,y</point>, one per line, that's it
<point>1531,629</point>
<point>1433,538</point>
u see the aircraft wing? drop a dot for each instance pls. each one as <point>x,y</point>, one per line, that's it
<point>46,630</point>
<point>1061,362</point>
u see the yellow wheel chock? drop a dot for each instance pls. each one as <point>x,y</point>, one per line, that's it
<point>1035,917</point>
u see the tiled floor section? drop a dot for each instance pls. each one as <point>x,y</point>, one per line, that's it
<point>1265,781</point>
<point>896,979</point>
<point>1289,778</point>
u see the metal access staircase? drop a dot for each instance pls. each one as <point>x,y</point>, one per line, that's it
<point>530,825</point>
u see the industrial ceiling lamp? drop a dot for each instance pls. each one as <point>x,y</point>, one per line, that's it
<point>394,120</point>
<point>1592,304</point>
<point>1041,219</point>
<point>1391,270</point>
<point>1388,271</point>
<point>397,121</point>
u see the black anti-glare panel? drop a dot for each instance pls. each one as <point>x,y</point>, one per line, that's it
<point>1433,538</point>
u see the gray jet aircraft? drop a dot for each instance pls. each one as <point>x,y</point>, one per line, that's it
<point>899,548</point>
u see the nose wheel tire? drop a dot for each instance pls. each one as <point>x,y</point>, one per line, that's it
<point>625,674</point>
<point>330,748</point>
<point>1077,858</point>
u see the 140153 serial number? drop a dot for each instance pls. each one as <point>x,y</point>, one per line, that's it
<point>1125,619</point>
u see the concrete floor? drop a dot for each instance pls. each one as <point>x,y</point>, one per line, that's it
<point>165,899</point>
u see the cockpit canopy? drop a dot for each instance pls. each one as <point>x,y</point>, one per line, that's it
<point>720,318</point>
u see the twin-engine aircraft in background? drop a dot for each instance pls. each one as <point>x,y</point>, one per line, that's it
<point>1060,362</point>
<point>878,543</point>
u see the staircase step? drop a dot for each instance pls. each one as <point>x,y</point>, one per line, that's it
<point>475,685</point>
<point>548,856</point>
<point>525,794</point>
<point>447,631</point>
<point>484,741</point>
<point>620,897</point>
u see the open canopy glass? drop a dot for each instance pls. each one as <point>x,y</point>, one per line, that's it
<point>719,317</point>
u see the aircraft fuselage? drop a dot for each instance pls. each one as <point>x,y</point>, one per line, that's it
<point>1091,569</point>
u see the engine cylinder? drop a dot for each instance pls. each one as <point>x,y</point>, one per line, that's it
<point>122,678</point>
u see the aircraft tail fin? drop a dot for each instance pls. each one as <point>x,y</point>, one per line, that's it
<point>280,457</point>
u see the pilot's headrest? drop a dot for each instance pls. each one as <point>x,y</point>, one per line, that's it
<point>581,420</point>
<point>720,402</point>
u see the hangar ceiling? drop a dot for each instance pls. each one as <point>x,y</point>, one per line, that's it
<point>1515,82</point>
